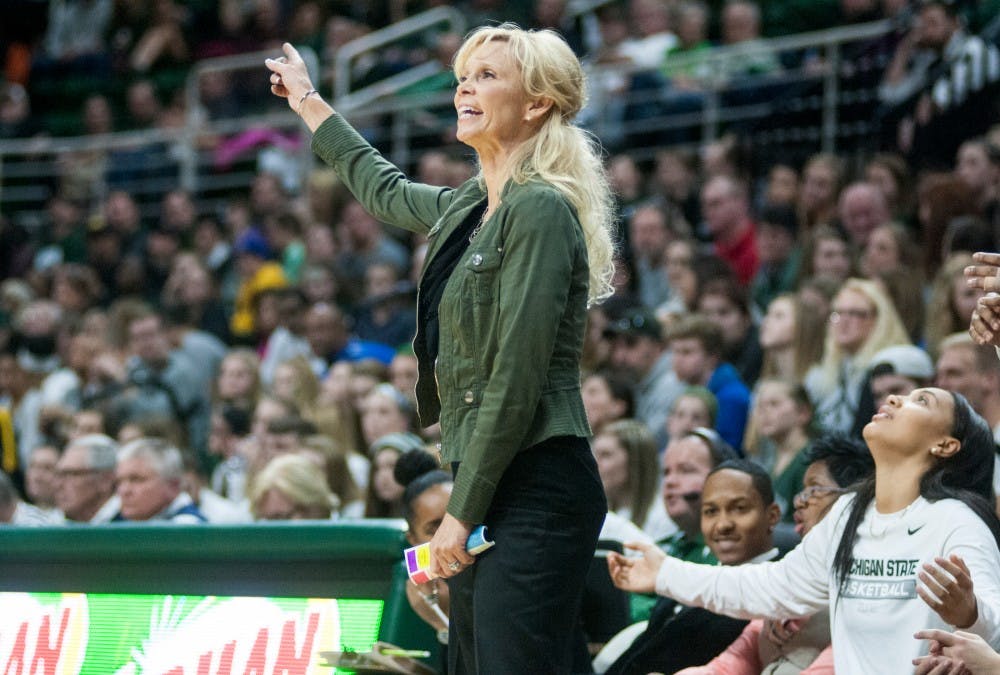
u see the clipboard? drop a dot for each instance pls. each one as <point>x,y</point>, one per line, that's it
<point>383,658</point>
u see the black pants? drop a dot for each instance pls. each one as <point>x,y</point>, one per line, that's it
<point>516,609</point>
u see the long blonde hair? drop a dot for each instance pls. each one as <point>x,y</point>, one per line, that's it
<point>887,331</point>
<point>942,316</point>
<point>560,153</point>
<point>643,466</point>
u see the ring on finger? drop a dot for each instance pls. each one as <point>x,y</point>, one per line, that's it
<point>454,566</point>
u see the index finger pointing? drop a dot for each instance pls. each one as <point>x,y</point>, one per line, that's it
<point>293,54</point>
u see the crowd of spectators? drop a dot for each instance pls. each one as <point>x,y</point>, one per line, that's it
<point>253,362</point>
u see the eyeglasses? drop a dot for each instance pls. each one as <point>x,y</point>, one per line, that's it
<point>813,491</point>
<point>75,473</point>
<point>856,314</point>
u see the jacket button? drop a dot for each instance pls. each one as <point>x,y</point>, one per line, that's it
<point>469,396</point>
<point>477,260</point>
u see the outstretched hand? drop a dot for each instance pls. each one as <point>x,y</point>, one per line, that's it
<point>946,587</point>
<point>956,653</point>
<point>985,324</point>
<point>985,274</point>
<point>637,575</point>
<point>289,76</point>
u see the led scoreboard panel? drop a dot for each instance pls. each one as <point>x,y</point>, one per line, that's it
<point>209,600</point>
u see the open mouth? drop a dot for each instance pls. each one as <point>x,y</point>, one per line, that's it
<point>882,414</point>
<point>466,113</point>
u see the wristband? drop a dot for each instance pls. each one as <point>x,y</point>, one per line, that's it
<point>305,96</point>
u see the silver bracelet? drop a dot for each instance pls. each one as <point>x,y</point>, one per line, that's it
<point>305,96</point>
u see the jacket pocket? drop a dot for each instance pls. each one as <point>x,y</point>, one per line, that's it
<point>483,268</point>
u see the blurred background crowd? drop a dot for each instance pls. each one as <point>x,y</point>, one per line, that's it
<point>168,351</point>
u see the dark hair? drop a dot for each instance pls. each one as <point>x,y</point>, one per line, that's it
<point>848,460</point>
<point>417,471</point>
<point>730,289</point>
<point>291,424</point>
<point>760,478</point>
<point>620,386</point>
<point>966,476</point>
<point>701,328</point>
<point>237,418</point>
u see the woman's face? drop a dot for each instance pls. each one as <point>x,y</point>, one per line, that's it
<point>428,511</point>
<point>880,176</point>
<point>818,187</point>
<point>380,415</point>
<point>490,101</point>
<point>688,412</point>
<point>777,329</point>
<point>336,387</point>
<point>881,253</point>
<point>266,412</point>
<point>975,169</point>
<point>964,299</point>
<point>831,259</point>
<point>612,464</point>
<point>600,405</point>
<point>284,383</point>
<point>852,320</point>
<point>236,379</point>
<point>911,424</point>
<point>782,185</point>
<point>822,491</point>
<point>275,505</point>
<point>775,411</point>
<point>383,482</point>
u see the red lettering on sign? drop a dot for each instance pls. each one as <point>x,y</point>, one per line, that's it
<point>16,659</point>
<point>258,655</point>
<point>289,662</point>
<point>47,655</point>
<point>204,663</point>
<point>176,670</point>
<point>226,662</point>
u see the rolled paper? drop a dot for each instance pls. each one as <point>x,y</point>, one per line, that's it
<point>418,558</point>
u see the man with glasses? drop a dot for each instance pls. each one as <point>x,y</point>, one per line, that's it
<point>85,480</point>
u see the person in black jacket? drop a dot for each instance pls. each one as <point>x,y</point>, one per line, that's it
<point>738,517</point>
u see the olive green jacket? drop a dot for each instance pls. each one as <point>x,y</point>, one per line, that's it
<point>511,317</point>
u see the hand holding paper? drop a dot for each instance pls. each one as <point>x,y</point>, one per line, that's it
<point>418,558</point>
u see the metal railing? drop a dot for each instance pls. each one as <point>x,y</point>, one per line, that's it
<point>214,155</point>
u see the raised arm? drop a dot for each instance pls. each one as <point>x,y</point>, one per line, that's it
<point>378,184</point>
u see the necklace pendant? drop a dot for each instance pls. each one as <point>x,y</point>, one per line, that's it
<point>478,228</point>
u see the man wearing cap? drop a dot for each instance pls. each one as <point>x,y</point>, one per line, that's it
<point>895,370</point>
<point>257,272</point>
<point>638,349</point>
